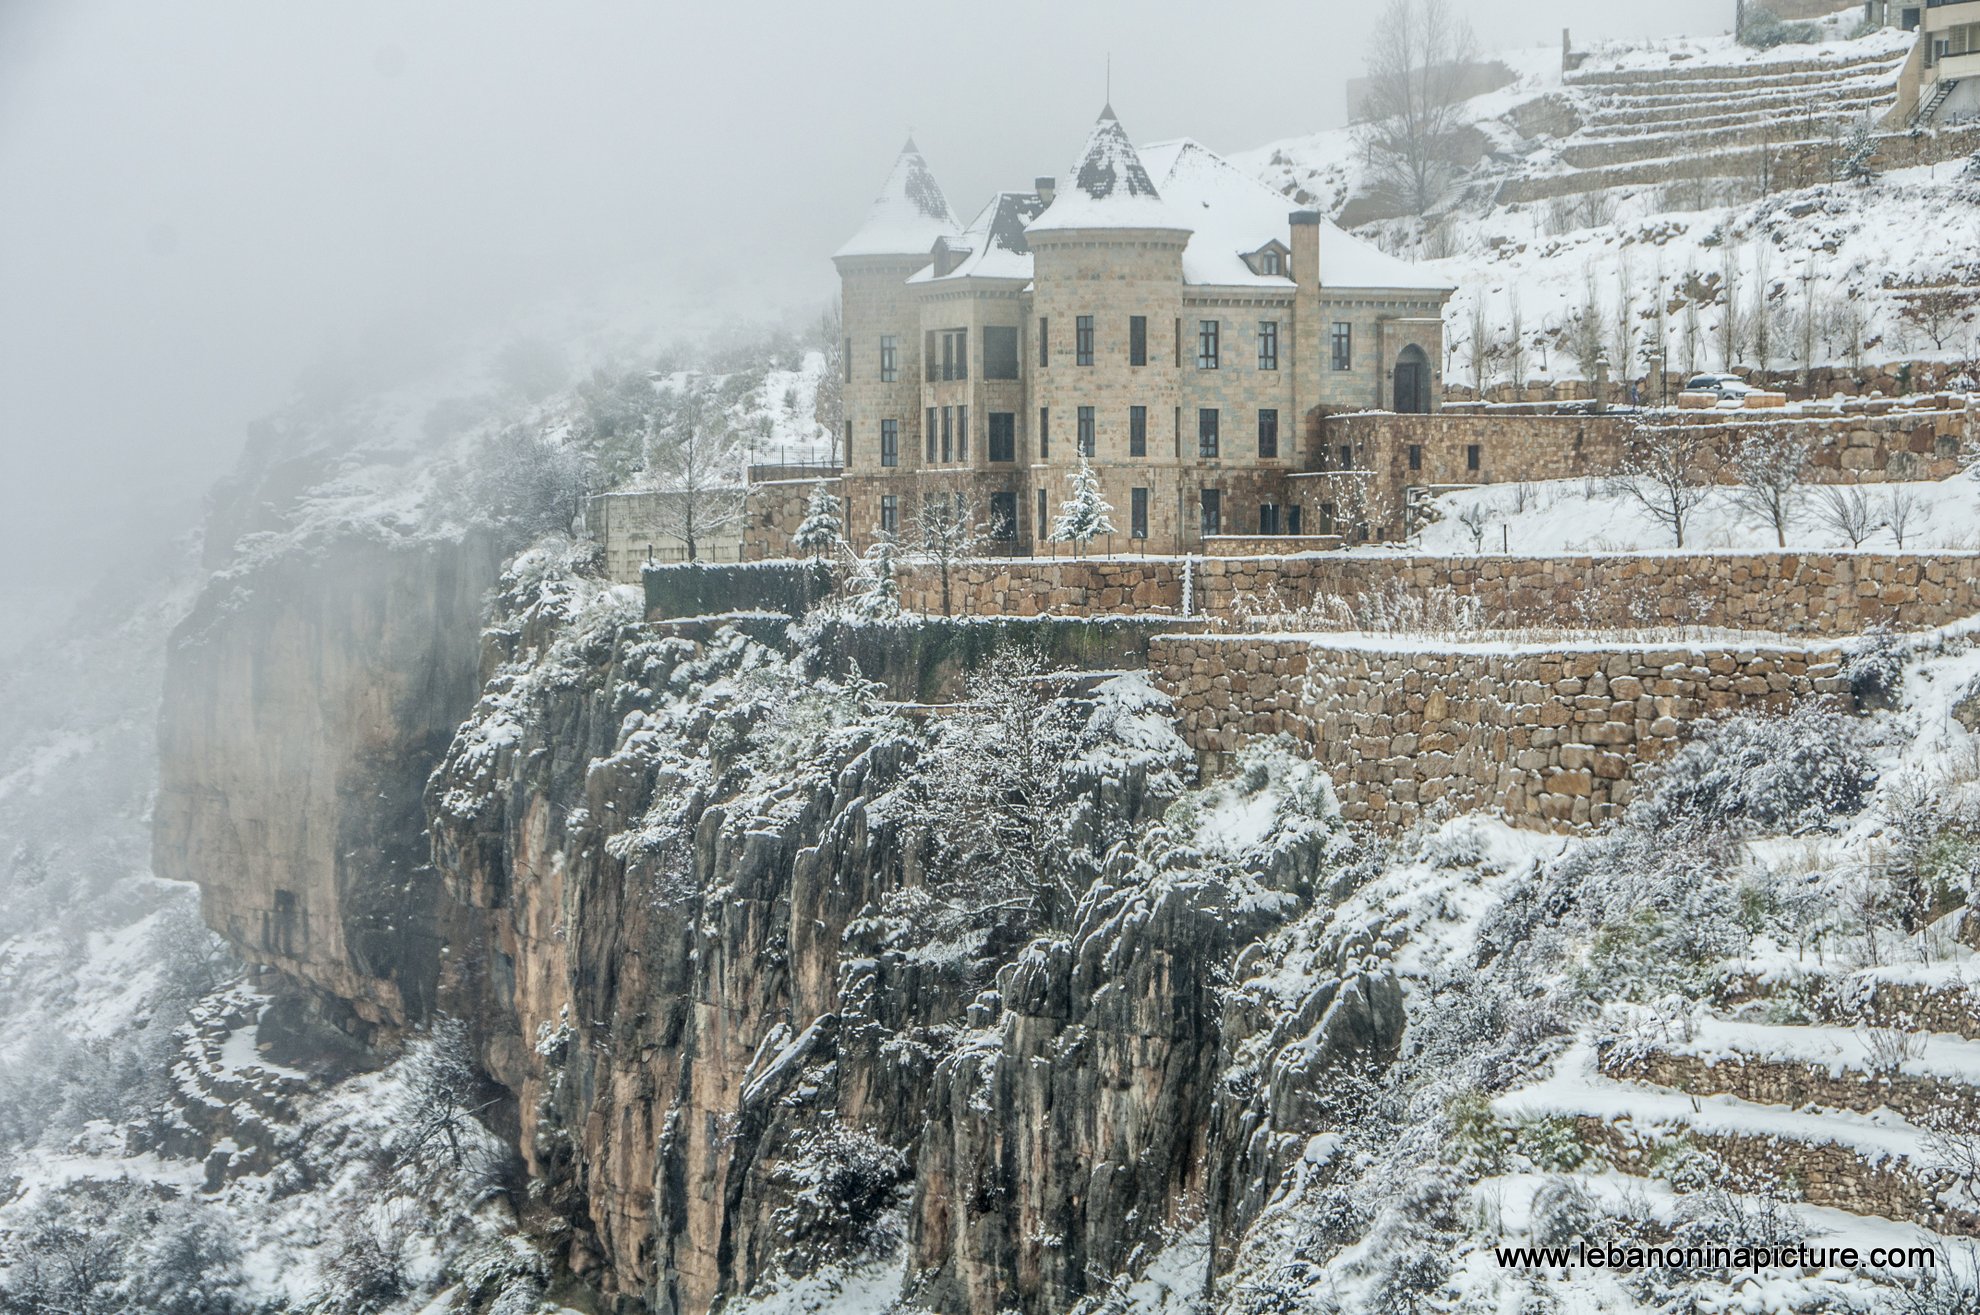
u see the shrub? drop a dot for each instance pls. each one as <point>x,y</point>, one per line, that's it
<point>1792,773</point>
<point>1563,1212</point>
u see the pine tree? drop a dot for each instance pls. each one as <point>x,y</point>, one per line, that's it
<point>1085,514</point>
<point>821,527</point>
<point>879,587</point>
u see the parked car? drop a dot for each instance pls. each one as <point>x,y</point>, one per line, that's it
<point>1726,387</point>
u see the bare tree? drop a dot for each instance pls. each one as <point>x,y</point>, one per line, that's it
<point>1474,520</point>
<point>1770,463</point>
<point>945,531</point>
<point>1760,321</point>
<point>1666,470</point>
<point>828,403</point>
<point>1905,511</point>
<point>692,461</point>
<point>1693,333</point>
<point>1808,324</point>
<point>1846,510</point>
<point>1625,355</point>
<point>1851,324</point>
<point>1411,117</point>
<point>1515,343</point>
<point>1585,328</point>
<point>1937,311</point>
<point>1732,319</point>
<point>1479,342</point>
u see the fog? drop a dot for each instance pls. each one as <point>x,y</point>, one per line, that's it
<point>197,201</point>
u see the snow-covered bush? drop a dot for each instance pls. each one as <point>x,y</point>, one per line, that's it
<point>1874,667</point>
<point>366,1268</point>
<point>1791,773</point>
<point>843,1184</point>
<point>1564,1212</point>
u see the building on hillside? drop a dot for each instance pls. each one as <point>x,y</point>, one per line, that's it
<point>1163,316</point>
<point>1941,81</point>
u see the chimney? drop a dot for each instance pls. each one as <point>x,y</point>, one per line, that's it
<point>1306,247</point>
<point>1045,187</point>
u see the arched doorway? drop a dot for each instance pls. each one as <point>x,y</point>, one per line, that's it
<point>1411,395</point>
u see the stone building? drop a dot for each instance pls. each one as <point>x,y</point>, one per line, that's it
<point>1164,316</point>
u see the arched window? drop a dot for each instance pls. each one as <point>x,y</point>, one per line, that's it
<point>1411,390</point>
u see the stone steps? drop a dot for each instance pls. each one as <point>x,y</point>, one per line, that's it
<point>1708,115</point>
<point>1874,1162</point>
<point>1628,150</point>
<point>1734,77</point>
<point>234,1111</point>
<point>1931,1000</point>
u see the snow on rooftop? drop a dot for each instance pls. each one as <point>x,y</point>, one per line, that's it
<point>907,216</point>
<point>994,241</point>
<point>1109,187</point>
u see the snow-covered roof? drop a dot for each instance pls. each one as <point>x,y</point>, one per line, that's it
<point>1109,187</point>
<point>907,216</point>
<point>994,241</point>
<point>1231,215</point>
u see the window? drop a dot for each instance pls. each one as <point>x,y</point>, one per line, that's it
<point>1416,456</point>
<point>1137,431</point>
<point>929,434</point>
<point>1044,339</point>
<point>955,353</point>
<point>1346,454</point>
<point>1206,344</point>
<point>1137,340</point>
<point>1343,341</point>
<point>890,363</point>
<point>846,358</point>
<point>1326,518</point>
<point>962,353</point>
<point>1003,516</point>
<point>1268,343</point>
<point>1211,504</point>
<point>1179,344</point>
<point>1003,436</point>
<point>1042,527</point>
<point>890,442</point>
<point>1268,263</point>
<point>1044,432</point>
<point>1178,449</point>
<point>1474,457</point>
<point>1268,433</point>
<point>948,432</point>
<point>1000,352</point>
<point>1206,432</point>
<point>1268,518</point>
<point>931,367</point>
<point>962,433</point>
<point>890,514</point>
<point>1292,520</point>
<point>1086,431</point>
<point>849,443</point>
<point>1137,513</point>
<point>1083,340</point>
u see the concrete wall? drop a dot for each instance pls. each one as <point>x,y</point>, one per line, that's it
<point>1546,737</point>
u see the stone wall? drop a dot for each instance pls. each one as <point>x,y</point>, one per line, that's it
<point>1832,593</point>
<point>773,509</point>
<point>1545,737</point>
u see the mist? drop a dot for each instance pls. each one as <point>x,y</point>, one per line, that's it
<point>198,202</point>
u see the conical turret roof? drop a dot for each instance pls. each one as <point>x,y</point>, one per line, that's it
<point>908,215</point>
<point>1109,188</point>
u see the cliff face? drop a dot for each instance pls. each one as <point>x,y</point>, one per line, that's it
<point>763,998</point>
<point>306,699</point>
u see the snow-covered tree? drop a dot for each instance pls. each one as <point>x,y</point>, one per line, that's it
<point>1666,472</point>
<point>821,526</point>
<point>945,531</point>
<point>693,461</point>
<point>876,579</point>
<point>1085,514</point>
<point>1770,463</point>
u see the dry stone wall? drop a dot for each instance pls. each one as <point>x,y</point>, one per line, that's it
<point>1831,593</point>
<point>1549,738</point>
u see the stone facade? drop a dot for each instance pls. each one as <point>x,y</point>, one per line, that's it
<point>1131,343</point>
<point>1545,737</point>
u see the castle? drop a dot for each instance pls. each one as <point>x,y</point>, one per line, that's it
<point>1163,316</point>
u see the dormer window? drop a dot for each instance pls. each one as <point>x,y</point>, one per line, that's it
<point>1273,260</point>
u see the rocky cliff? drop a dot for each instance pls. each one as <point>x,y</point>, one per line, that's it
<point>774,979</point>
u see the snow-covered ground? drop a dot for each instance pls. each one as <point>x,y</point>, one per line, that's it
<point>1592,515</point>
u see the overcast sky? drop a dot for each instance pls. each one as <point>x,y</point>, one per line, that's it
<point>199,199</point>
